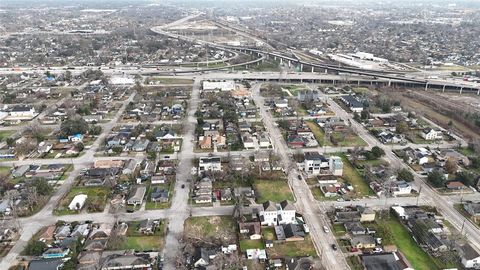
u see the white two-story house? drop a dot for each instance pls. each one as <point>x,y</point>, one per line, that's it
<point>274,214</point>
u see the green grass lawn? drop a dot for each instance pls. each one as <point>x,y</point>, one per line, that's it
<point>295,88</point>
<point>317,194</point>
<point>141,243</point>
<point>415,138</point>
<point>459,207</point>
<point>466,151</point>
<point>349,139</point>
<point>268,233</point>
<point>4,134</point>
<point>339,230</point>
<point>318,133</point>
<point>405,243</point>
<point>360,90</point>
<point>96,196</point>
<point>4,170</point>
<point>353,176</point>
<point>354,263</point>
<point>266,66</point>
<point>272,190</point>
<point>293,249</point>
<point>218,227</point>
<point>171,80</point>
<point>251,244</point>
<point>133,229</point>
<point>149,205</point>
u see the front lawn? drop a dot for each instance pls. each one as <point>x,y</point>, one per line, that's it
<point>272,190</point>
<point>149,205</point>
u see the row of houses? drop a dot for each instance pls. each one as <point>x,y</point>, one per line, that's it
<point>62,239</point>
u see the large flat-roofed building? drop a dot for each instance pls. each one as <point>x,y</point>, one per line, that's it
<point>352,103</point>
<point>214,86</point>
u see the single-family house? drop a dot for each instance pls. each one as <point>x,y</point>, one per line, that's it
<point>363,241</point>
<point>137,196</point>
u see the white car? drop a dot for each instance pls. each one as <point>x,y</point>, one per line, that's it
<point>325,229</point>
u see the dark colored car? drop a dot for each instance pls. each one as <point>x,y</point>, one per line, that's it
<point>299,177</point>
<point>183,185</point>
<point>334,247</point>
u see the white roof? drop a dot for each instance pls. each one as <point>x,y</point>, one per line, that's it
<point>399,210</point>
<point>256,253</point>
<point>78,199</point>
<point>121,80</point>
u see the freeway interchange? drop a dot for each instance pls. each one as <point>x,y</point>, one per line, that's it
<point>313,211</point>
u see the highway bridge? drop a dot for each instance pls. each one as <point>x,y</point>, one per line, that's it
<point>392,79</point>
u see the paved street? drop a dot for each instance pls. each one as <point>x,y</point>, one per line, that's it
<point>440,202</point>
<point>313,211</point>
<point>180,199</point>
<point>305,203</point>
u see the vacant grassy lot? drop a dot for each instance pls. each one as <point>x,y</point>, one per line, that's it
<point>293,249</point>
<point>5,170</point>
<point>353,176</point>
<point>339,229</point>
<point>97,198</point>
<point>141,243</point>
<point>216,227</point>
<point>268,233</point>
<point>4,134</point>
<point>272,190</point>
<point>295,88</point>
<point>251,244</point>
<point>346,139</point>
<point>171,80</point>
<point>318,133</point>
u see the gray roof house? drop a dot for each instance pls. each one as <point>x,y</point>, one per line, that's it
<point>138,196</point>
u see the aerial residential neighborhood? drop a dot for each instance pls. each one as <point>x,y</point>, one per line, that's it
<point>239,135</point>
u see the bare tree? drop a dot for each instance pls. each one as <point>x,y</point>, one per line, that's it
<point>26,147</point>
